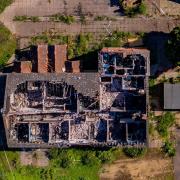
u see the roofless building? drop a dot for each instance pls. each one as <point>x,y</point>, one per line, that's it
<point>59,109</point>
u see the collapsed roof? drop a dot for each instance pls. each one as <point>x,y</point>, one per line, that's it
<point>107,108</point>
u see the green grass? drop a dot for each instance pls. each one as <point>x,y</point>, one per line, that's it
<point>77,169</point>
<point>4,4</point>
<point>7,45</point>
<point>164,123</point>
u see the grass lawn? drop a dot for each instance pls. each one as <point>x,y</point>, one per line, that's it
<point>66,164</point>
<point>7,45</point>
<point>4,4</point>
<point>83,164</point>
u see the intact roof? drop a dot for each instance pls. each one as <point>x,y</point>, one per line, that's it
<point>60,57</point>
<point>85,83</point>
<point>26,67</point>
<point>75,66</point>
<point>42,58</point>
<point>172,96</point>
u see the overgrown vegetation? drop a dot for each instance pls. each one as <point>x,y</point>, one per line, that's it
<point>26,18</point>
<point>84,43</point>
<point>164,122</point>
<point>152,82</point>
<point>71,163</point>
<point>4,4</point>
<point>64,164</point>
<point>173,46</point>
<point>134,152</point>
<point>63,18</point>
<point>7,45</point>
<point>104,18</point>
<point>169,148</point>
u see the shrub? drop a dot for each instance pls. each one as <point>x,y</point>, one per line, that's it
<point>131,12</point>
<point>135,10</point>
<point>151,82</point>
<point>65,162</point>
<point>142,8</point>
<point>63,18</point>
<point>151,128</point>
<point>169,148</point>
<point>20,18</point>
<point>53,153</point>
<point>105,156</point>
<point>89,159</point>
<point>134,152</point>
<point>164,122</point>
<point>34,18</point>
<point>61,158</point>
<point>25,18</point>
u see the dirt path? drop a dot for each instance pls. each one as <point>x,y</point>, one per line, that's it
<point>177,157</point>
<point>138,169</point>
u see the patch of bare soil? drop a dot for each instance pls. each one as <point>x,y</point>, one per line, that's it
<point>36,158</point>
<point>152,167</point>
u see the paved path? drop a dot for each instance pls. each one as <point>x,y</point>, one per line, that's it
<point>177,157</point>
<point>24,29</point>
<point>94,7</point>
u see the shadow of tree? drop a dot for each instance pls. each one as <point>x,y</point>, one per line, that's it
<point>88,62</point>
<point>114,3</point>
<point>156,43</point>
<point>156,93</point>
<point>175,1</point>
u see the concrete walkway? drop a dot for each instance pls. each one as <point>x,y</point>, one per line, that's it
<point>94,8</point>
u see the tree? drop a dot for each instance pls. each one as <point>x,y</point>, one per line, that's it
<point>142,8</point>
<point>164,122</point>
<point>169,149</point>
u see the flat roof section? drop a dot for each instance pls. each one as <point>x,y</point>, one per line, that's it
<point>60,54</point>
<point>42,58</point>
<point>26,67</point>
<point>172,96</point>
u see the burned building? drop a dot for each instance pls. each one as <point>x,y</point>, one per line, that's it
<point>107,108</point>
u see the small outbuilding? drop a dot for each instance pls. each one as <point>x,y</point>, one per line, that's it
<point>172,96</point>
